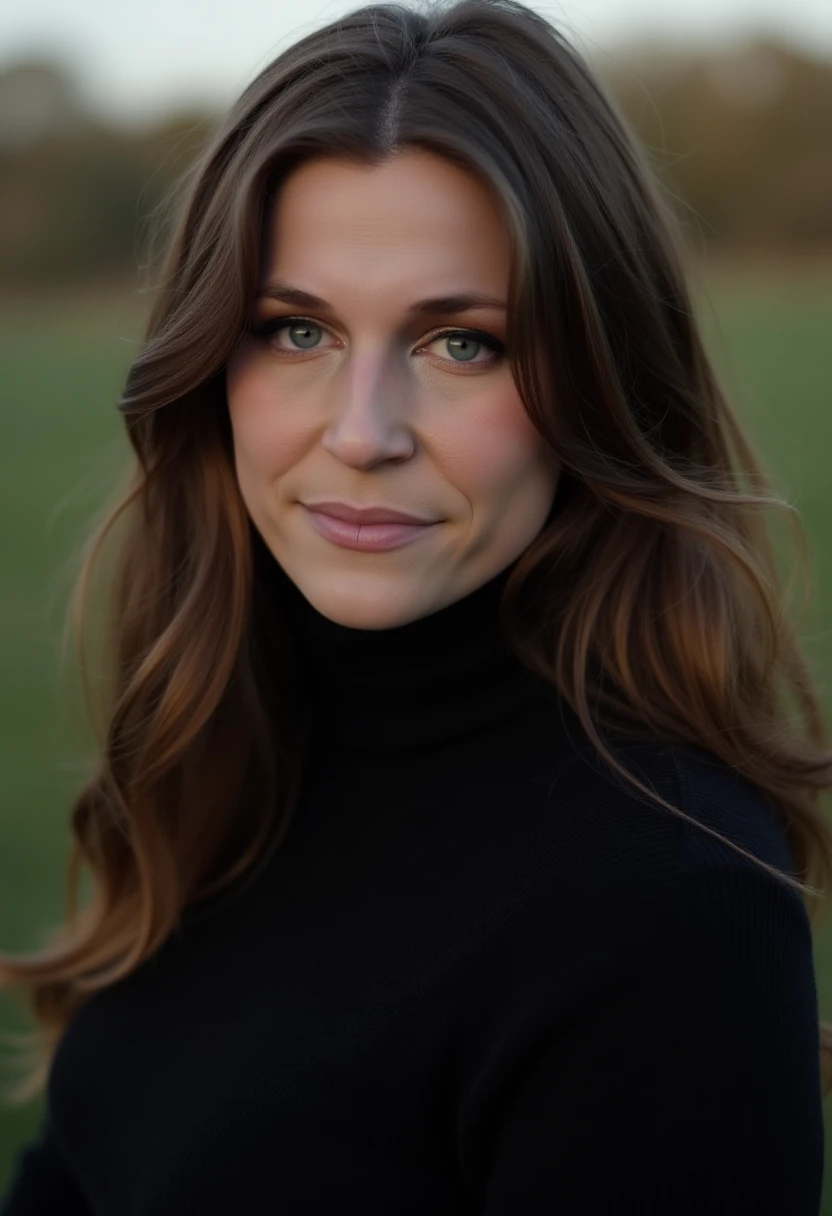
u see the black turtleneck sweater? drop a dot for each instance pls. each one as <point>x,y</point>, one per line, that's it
<point>479,976</point>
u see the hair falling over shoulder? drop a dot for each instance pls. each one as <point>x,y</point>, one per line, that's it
<point>657,603</point>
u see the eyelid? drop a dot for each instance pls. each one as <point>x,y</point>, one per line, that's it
<point>481,335</point>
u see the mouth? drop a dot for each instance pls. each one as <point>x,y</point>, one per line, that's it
<point>366,515</point>
<point>364,536</point>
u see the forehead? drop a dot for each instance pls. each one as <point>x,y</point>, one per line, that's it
<point>414,215</point>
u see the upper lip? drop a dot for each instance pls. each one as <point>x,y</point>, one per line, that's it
<point>366,515</point>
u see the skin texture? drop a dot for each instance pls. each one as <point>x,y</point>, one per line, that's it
<point>374,409</point>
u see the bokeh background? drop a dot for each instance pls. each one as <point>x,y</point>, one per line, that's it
<point>103,107</point>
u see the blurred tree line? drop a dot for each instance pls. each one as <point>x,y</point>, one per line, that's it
<point>741,138</point>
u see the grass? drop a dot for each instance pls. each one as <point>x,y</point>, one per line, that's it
<point>62,448</point>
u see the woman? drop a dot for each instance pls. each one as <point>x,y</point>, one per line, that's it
<point>453,863</point>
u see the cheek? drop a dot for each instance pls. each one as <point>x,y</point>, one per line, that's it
<point>268,434</point>
<point>480,439</point>
<point>497,451</point>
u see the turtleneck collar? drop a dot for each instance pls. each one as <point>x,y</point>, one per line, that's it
<point>434,680</point>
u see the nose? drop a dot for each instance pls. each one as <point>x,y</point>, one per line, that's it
<point>369,413</point>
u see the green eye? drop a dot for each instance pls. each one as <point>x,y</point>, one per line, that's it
<point>306,333</point>
<point>462,344</point>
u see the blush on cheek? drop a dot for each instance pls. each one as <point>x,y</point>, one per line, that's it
<point>497,443</point>
<point>268,435</point>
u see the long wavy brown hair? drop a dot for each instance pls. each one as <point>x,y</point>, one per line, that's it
<point>652,596</point>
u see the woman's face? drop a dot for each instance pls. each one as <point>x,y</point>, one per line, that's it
<point>369,397</point>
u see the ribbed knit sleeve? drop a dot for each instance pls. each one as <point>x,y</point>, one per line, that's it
<point>41,1183</point>
<point>684,1080</point>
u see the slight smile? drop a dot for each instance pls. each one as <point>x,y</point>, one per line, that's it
<point>371,538</point>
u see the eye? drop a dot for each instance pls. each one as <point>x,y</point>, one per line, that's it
<point>464,345</point>
<point>303,334</point>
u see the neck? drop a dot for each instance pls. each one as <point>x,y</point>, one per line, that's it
<point>434,680</point>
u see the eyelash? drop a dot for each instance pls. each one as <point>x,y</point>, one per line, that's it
<point>270,327</point>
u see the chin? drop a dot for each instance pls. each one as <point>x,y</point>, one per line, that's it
<point>366,616</point>
<point>371,607</point>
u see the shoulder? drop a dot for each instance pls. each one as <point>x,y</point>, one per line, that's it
<point>620,895</point>
<point>721,799</point>
<point>619,884</point>
<point>619,840</point>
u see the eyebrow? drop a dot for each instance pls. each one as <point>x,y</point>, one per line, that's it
<point>459,302</point>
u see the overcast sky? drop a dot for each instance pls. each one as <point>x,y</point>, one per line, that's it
<point>140,58</point>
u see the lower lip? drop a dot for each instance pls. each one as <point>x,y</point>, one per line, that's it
<point>370,538</point>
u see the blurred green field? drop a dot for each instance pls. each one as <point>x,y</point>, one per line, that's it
<point>62,448</point>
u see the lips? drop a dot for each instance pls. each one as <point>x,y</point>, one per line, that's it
<point>367,537</point>
<point>366,515</point>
